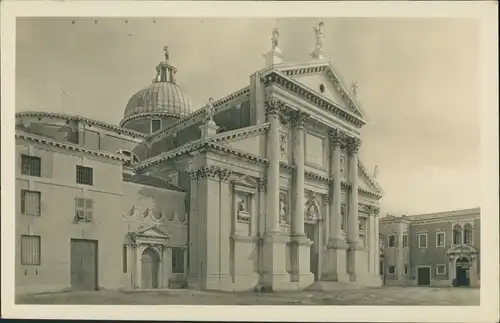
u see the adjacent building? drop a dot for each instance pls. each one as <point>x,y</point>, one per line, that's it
<point>437,249</point>
<point>262,188</point>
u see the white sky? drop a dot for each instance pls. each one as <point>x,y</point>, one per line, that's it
<point>418,83</point>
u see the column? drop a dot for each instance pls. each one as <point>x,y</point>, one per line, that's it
<point>335,268</point>
<point>274,274</point>
<point>376,239</point>
<point>352,223</point>
<point>273,170</point>
<point>370,232</point>
<point>298,158</point>
<point>138,266</point>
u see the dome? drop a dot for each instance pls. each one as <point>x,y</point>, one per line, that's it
<point>162,97</point>
<point>159,97</point>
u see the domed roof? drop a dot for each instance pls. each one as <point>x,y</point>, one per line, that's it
<point>163,96</point>
<point>160,97</point>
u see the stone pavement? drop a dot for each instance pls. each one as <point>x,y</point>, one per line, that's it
<point>371,296</point>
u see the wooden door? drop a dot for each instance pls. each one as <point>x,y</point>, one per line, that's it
<point>424,276</point>
<point>83,264</point>
<point>311,233</point>
<point>149,269</point>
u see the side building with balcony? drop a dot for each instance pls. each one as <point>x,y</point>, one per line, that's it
<point>436,249</point>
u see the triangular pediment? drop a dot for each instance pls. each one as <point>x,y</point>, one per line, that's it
<point>244,180</point>
<point>320,77</point>
<point>150,232</point>
<point>248,139</point>
<point>366,181</point>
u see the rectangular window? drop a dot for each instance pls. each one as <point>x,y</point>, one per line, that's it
<point>406,269</point>
<point>440,239</point>
<point>422,240</point>
<point>155,125</point>
<point>468,236</point>
<point>84,175</point>
<point>31,165</point>
<point>124,256</point>
<point>177,260</point>
<point>405,241</point>
<point>84,209</point>
<point>392,270</point>
<point>30,202</point>
<point>30,250</point>
<point>392,241</point>
<point>440,269</point>
<point>381,268</point>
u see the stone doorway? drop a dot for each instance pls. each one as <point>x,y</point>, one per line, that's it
<point>149,269</point>
<point>311,231</point>
<point>462,271</point>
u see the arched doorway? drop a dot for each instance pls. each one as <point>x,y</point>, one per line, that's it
<point>462,266</point>
<point>149,269</point>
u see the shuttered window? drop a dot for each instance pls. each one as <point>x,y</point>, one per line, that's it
<point>84,175</point>
<point>124,256</point>
<point>30,250</point>
<point>31,165</point>
<point>84,209</point>
<point>177,260</point>
<point>30,202</point>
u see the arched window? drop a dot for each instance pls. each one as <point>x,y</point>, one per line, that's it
<point>133,157</point>
<point>457,234</point>
<point>468,234</point>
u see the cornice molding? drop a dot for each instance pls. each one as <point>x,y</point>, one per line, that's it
<point>197,145</point>
<point>73,147</point>
<point>61,116</point>
<point>241,133</point>
<point>148,114</point>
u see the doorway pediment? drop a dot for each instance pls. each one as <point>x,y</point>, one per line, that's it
<point>150,235</point>
<point>462,249</point>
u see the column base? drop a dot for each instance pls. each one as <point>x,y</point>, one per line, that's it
<point>336,259</point>
<point>354,256</point>
<point>274,274</point>
<point>301,270</point>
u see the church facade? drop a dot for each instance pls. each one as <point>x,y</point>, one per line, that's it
<point>261,189</point>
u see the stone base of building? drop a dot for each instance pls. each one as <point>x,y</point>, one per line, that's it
<point>335,259</point>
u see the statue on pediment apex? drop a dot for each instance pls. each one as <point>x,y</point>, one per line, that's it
<point>275,38</point>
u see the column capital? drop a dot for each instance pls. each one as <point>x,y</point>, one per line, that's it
<point>353,145</point>
<point>274,107</point>
<point>337,137</point>
<point>298,118</point>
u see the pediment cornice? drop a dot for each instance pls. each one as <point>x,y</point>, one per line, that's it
<point>311,96</point>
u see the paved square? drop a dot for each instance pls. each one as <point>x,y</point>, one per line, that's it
<point>372,296</point>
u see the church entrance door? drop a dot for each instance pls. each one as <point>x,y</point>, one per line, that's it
<point>149,269</point>
<point>462,271</point>
<point>311,230</point>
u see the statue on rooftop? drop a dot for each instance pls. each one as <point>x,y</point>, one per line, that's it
<point>275,38</point>
<point>167,55</point>
<point>318,31</point>
<point>210,110</point>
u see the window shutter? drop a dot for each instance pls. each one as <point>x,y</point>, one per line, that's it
<point>23,207</point>
<point>80,203</point>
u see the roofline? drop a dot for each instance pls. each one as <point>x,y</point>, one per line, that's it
<point>64,116</point>
<point>70,146</point>
<point>466,211</point>
<point>217,104</point>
